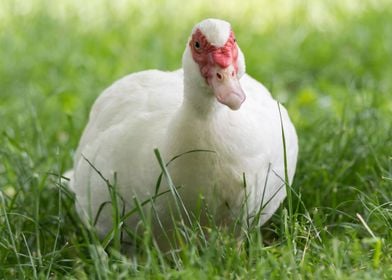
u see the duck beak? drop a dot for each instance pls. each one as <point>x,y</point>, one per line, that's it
<point>226,87</point>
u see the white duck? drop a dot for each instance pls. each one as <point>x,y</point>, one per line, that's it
<point>209,104</point>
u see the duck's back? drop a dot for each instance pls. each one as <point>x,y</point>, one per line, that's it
<point>127,121</point>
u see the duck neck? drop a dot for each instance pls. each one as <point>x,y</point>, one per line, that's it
<point>194,121</point>
<point>200,99</point>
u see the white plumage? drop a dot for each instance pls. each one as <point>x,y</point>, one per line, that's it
<point>177,112</point>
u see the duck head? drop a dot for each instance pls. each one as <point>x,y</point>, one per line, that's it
<point>214,62</point>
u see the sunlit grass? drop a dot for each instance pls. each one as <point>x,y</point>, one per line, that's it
<point>329,62</point>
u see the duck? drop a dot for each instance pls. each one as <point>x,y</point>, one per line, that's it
<point>216,130</point>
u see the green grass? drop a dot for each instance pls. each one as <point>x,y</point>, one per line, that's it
<point>331,66</point>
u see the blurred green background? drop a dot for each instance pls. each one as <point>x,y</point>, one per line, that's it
<point>328,62</point>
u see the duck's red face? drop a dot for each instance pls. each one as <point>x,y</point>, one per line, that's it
<point>219,67</point>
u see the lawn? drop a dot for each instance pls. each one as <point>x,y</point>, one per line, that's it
<point>328,62</point>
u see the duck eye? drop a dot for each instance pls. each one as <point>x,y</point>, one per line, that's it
<point>197,45</point>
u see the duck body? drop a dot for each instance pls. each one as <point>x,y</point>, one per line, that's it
<point>237,153</point>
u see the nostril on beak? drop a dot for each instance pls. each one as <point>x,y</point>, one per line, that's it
<point>232,73</point>
<point>219,76</point>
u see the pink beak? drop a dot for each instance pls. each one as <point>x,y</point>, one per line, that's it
<point>226,86</point>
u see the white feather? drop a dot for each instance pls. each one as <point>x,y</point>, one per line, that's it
<point>216,31</point>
